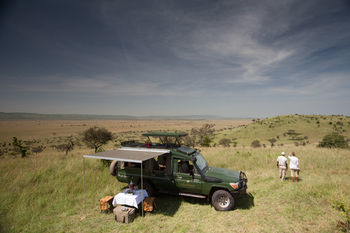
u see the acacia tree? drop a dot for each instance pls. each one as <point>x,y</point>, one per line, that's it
<point>66,147</point>
<point>272,141</point>
<point>203,134</point>
<point>96,137</point>
<point>18,146</point>
<point>190,141</point>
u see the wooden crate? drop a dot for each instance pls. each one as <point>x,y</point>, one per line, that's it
<point>149,204</point>
<point>106,203</point>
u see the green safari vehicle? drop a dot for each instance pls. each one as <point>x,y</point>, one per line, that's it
<point>181,170</point>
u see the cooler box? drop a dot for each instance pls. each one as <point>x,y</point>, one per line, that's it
<point>124,214</point>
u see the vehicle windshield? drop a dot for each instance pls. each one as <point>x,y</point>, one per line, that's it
<point>201,163</point>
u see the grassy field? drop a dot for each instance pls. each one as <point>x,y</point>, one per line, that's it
<point>43,129</point>
<point>45,193</point>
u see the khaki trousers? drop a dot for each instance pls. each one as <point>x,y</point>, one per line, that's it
<point>294,173</point>
<point>282,170</point>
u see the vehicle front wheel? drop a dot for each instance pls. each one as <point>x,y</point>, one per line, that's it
<point>222,200</point>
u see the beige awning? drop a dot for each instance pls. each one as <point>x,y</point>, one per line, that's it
<point>129,154</point>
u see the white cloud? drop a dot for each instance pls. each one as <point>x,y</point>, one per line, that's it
<point>235,39</point>
<point>328,84</point>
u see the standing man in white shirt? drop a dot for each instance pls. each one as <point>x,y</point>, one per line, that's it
<point>282,164</point>
<point>294,167</point>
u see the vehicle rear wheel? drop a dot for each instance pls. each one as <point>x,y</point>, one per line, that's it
<point>112,168</point>
<point>222,200</point>
<point>149,189</point>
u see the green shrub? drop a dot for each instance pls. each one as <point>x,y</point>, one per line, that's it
<point>206,141</point>
<point>225,142</point>
<point>38,149</point>
<point>339,205</point>
<point>255,144</point>
<point>334,140</point>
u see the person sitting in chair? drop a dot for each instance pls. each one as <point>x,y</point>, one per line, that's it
<point>131,188</point>
<point>184,167</point>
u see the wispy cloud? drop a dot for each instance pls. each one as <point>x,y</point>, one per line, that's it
<point>329,84</point>
<point>152,50</point>
<point>109,86</point>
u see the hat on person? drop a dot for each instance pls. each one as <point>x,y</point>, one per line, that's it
<point>131,183</point>
<point>282,153</point>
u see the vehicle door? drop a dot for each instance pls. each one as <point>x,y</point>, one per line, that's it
<point>160,172</point>
<point>186,177</point>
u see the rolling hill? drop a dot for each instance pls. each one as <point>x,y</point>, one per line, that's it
<point>289,129</point>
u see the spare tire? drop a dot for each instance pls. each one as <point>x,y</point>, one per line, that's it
<point>112,168</point>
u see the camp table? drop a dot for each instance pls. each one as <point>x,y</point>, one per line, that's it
<point>129,199</point>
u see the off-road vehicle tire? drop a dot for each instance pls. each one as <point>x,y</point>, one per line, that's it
<point>222,200</point>
<point>151,191</point>
<point>112,169</point>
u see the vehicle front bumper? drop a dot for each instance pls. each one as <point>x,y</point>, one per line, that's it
<point>242,187</point>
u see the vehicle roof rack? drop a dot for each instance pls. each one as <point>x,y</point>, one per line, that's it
<point>165,134</point>
<point>186,150</point>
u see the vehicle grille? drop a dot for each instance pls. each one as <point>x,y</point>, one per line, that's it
<point>243,179</point>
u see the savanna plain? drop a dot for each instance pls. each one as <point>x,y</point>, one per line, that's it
<point>46,192</point>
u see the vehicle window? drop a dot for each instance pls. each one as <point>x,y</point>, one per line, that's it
<point>186,167</point>
<point>162,162</point>
<point>201,163</point>
<point>132,165</point>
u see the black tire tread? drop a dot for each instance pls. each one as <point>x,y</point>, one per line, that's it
<point>216,195</point>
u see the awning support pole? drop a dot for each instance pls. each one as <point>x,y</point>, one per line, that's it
<point>84,196</point>
<point>142,187</point>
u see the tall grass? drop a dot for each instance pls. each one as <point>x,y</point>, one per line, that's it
<point>46,193</point>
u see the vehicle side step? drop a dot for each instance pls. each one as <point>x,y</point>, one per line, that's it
<point>192,195</point>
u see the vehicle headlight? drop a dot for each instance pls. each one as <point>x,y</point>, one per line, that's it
<point>234,185</point>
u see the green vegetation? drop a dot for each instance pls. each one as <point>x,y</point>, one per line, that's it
<point>47,195</point>
<point>291,129</point>
<point>45,192</point>
<point>225,142</point>
<point>345,211</point>
<point>203,135</point>
<point>18,147</point>
<point>334,140</point>
<point>206,141</point>
<point>95,137</point>
<point>256,144</point>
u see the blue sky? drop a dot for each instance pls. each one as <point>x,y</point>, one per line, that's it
<point>228,58</point>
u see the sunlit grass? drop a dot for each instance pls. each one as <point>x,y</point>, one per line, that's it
<point>310,129</point>
<point>45,193</point>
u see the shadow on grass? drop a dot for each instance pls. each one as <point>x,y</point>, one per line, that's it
<point>245,202</point>
<point>167,204</point>
<point>290,179</point>
<point>195,201</point>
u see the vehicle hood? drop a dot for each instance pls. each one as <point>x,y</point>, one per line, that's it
<point>224,174</point>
